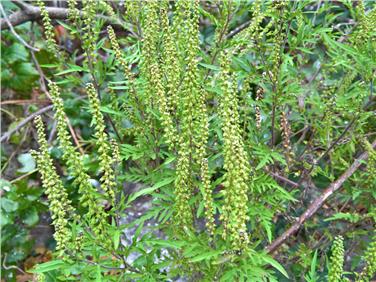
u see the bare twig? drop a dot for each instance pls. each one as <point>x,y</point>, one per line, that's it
<point>23,176</point>
<point>316,204</point>
<point>284,179</point>
<point>19,38</point>
<point>238,29</point>
<point>24,122</point>
<point>31,13</point>
<point>7,267</point>
<point>24,102</point>
<point>74,136</point>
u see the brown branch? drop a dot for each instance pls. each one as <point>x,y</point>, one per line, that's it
<point>32,13</point>
<point>24,102</point>
<point>315,205</point>
<point>238,29</point>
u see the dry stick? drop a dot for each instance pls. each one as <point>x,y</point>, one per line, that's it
<point>238,29</point>
<point>24,122</point>
<point>315,205</point>
<point>23,102</point>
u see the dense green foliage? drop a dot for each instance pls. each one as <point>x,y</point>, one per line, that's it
<point>231,116</point>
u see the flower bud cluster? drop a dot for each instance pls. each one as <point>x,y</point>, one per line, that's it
<point>336,260</point>
<point>118,53</point>
<point>194,125</point>
<point>170,63</point>
<point>180,29</point>
<point>73,13</point>
<point>253,32</point>
<point>115,151</point>
<point>95,216</point>
<point>132,9</point>
<point>363,37</point>
<point>89,32</point>
<point>59,203</point>
<point>286,132</point>
<point>362,32</point>
<point>371,164</point>
<point>153,71</point>
<point>104,150</point>
<point>259,97</point>
<point>202,132</point>
<point>48,30</point>
<point>369,270</point>
<point>185,167</point>
<point>277,35</point>
<point>134,103</point>
<point>183,185</point>
<point>107,8</point>
<point>236,164</point>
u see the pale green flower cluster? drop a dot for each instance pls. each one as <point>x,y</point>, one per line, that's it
<point>170,61</point>
<point>95,216</point>
<point>370,259</point>
<point>59,203</point>
<point>286,133</point>
<point>371,164</point>
<point>236,164</point>
<point>89,32</point>
<point>73,13</point>
<point>132,9</point>
<point>107,8</point>
<point>184,168</point>
<point>48,30</point>
<point>134,102</point>
<point>104,149</point>
<point>194,125</point>
<point>336,260</point>
<point>252,33</point>
<point>153,71</point>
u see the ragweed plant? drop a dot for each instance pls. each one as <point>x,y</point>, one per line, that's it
<point>230,119</point>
